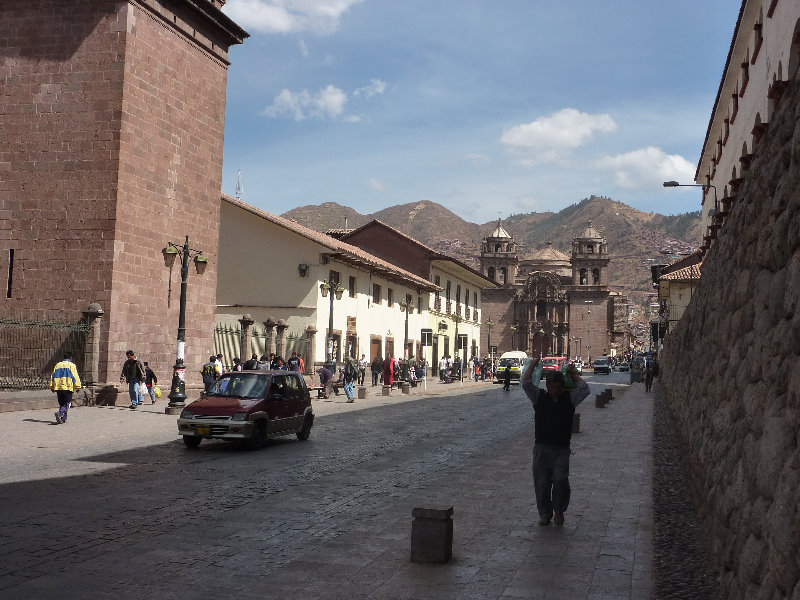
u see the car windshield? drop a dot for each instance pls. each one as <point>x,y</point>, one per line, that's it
<point>601,361</point>
<point>240,385</point>
<point>514,362</point>
<point>549,362</point>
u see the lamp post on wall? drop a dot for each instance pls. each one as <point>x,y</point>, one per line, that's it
<point>326,287</point>
<point>407,307</point>
<point>514,329</point>
<point>704,186</point>
<point>177,393</point>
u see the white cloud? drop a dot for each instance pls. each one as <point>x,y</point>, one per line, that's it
<point>288,16</point>
<point>552,138</point>
<point>647,168</point>
<point>328,102</point>
<point>303,48</point>
<point>375,86</point>
<point>376,185</point>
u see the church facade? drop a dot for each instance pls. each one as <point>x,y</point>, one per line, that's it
<point>548,303</point>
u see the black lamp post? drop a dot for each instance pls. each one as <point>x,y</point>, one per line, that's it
<point>541,342</point>
<point>177,394</point>
<point>513,333</point>
<point>457,319</point>
<point>326,287</point>
<point>407,306</point>
<point>489,325</point>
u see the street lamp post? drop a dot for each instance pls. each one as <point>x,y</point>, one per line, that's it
<point>704,186</point>
<point>588,331</point>
<point>330,289</point>
<point>541,342</point>
<point>407,306</point>
<point>489,325</point>
<point>177,394</point>
<point>513,332</point>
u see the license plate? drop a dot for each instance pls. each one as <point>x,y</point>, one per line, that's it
<point>202,430</point>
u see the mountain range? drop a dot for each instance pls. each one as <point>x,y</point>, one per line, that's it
<point>636,239</point>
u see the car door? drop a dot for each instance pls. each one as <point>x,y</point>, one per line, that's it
<point>278,406</point>
<point>294,399</point>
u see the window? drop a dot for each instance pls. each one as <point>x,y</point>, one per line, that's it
<point>758,40</point>
<point>376,293</point>
<point>447,291</point>
<point>596,276</point>
<point>475,299</point>
<point>10,278</point>
<point>333,276</point>
<point>352,287</point>
<point>437,281</point>
<point>490,274</point>
<point>466,297</point>
<point>583,277</point>
<point>389,297</point>
<point>426,337</point>
<point>419,304</point>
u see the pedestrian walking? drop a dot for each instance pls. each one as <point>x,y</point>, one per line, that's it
<point>554,410</point>
<point>362,369</point>
<point>507,378</point>
<point>64,381</point>
<point>133,374</point>
<point>220,366</point>
<point>150,380</point>
<point>648,376</point>
<point>210,372</point>
<point>237,364</point>
<point>351,375</point>
<point>376,367</point>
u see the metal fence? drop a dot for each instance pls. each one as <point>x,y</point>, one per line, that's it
<point>227,342</point>
<point>30,348</point>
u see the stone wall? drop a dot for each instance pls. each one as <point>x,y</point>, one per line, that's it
<point>731,375</point>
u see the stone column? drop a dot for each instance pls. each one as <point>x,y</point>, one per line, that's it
<point>311,349</point>
<point>269,330</point>
<point>91,356</point>
<point>245,338</point>
<point>281,344</point>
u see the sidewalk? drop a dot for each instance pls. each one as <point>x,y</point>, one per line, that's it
<point>604,550</point>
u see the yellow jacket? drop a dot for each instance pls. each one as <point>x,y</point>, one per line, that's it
<point>65,377</point>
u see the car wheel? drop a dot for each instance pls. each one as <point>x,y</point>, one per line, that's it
<point>192,441</point>
<point>305,431</point>
<point>257,439</point>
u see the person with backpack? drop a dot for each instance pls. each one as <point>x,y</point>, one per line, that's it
<point>210,372</point>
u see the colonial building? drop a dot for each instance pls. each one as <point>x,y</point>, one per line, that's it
<point>112,123</point>
<point>454,310</point>
<point>282,287</point>
<point>549,303</point>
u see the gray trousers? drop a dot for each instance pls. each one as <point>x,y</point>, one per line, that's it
<point>551,478</point>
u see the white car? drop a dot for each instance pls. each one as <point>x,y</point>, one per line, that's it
<point>578,366</point>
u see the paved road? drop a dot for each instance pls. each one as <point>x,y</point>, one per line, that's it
<point>112,505</point>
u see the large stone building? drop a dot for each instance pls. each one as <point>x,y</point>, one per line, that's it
<point>729,374</point>
<point>550,303</point>
<point>112,115</point>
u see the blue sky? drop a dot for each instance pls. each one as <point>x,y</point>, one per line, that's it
<point>490,108</point>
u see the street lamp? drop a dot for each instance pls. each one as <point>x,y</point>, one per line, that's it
<point>541,342</point>
<point>325,287</point>
<point>177,394</point>
<point>406,306</point>
<point>513,331</point>
<point>704,186</point>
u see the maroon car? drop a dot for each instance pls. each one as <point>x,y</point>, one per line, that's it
<point>249,407</point>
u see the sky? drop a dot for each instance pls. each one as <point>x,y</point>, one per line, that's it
<point>489,108</point>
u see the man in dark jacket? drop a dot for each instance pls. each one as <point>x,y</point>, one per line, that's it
<point>133,374</point>
<point>210,372</point>
<point>251,364</point>
<point>554,410</point>
<point>376,367</point>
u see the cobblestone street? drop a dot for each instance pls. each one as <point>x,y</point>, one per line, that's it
<point>113,505</point>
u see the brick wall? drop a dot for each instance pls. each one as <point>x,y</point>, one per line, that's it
<point>731,380</point>
<point>113,120</point>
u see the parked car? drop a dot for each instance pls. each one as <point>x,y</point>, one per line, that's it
<point>249,407</point>
<point>624,367</point>
<point>602,365</point>
<point>578,366</point>
<point>515,358</point>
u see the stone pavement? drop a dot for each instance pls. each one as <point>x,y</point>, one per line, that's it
<point>604,551</point>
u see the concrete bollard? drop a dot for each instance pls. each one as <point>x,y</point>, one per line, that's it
<point>362,393</point>
<point>609,395</point>
<point>576,423</point>
<point>387,390</point>
<point>406,388</point>
<point>432,535</point>
<point>599,401</point>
